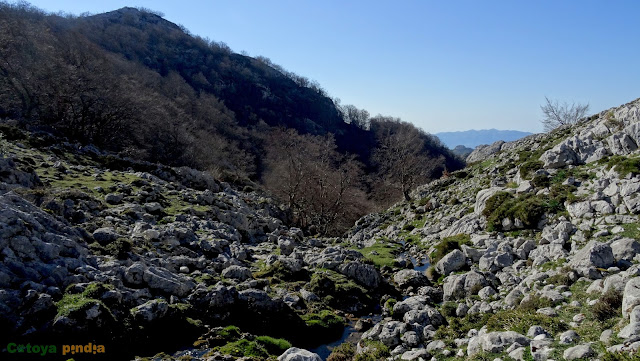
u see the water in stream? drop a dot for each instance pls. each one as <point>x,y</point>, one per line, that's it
<point>325,350</point>
<point>350,333</point>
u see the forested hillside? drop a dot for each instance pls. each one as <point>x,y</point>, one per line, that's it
<point>134,83</point>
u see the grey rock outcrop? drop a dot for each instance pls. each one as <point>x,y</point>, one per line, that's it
<point>594,254</point>
<point>298,354</point>
<point>451,262</point>
<point>364,274</point>
<point>463,285</point>
<point>495,342</point>
<point>413,278</point>
<point>631,296</point>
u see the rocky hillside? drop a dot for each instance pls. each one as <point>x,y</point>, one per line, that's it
<point>533,254</point>
<point>534,251</point>
<point>103,249</point>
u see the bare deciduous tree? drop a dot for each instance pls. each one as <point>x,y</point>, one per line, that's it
<point>556,114</point>
<point>355,116</point>
<point>402,154</point>
<point>320,185</point>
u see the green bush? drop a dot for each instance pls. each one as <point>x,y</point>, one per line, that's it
<point>608,306</point>
<point>541,181</point>
<point>376,351</point>
<point>120,248</point>
<point>449,309</point>
<point>447,245</point>
<point>408,227</point>
<point>229,333</point>
<point>278,271</point>
<point>535,303</point>
<point>388,305</point>
<point>343,352</point>
<point>528,167</point>
<point>494,202</point>
<point>560,279</point>
<point>527,208</point>
<point>432,274</point>
<point>459,327</point>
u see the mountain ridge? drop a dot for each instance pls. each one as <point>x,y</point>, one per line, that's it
<point>473,138</point>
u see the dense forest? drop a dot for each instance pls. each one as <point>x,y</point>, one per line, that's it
<point>133,83</point>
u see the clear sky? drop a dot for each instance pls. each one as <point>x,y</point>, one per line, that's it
<point>442,65</point>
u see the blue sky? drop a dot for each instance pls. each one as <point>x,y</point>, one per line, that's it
<point>442,65</point>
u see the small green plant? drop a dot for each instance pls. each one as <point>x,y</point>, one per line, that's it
<point>3,145</point>
<point>527,168</point>
<point>375,351</point>
<point>459,327</point>
<point>230,332</point>
<point>553,264</point>
<point>120,248</point>
<point>540,181</point>
<point>608,306</point>
<point>408,227</point>
<point>612,122</point>
<point>433,275</point>
<point>388,305</point>
<point>343,352</point>
<point>449,309</point>
<point>527,208</point>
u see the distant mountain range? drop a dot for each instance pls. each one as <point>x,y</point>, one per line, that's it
<point>473,138</point>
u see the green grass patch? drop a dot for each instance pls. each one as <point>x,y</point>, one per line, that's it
<point>621,164</point>
<point>553,264</point>
<point>274,346</point>
<point>631,230</point>
<point>620,356</point>
<point>84,300</point>
<point>459,327</point>
<point>244,348</point>
<point>528,208</point>
<point>70,303</point>
<point>324,319</point>
<point>382,253</point>
<point>521,319</point>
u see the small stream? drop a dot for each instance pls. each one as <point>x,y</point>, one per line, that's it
<point>349,334</point>
<point>325,350</point>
